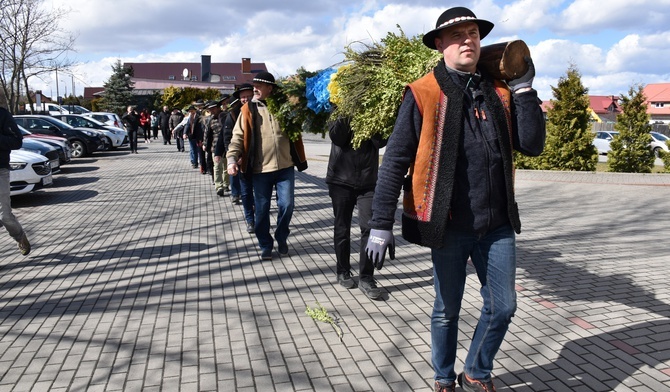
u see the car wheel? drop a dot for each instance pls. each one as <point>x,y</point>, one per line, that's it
<point>110,146</point>
<point>657,152</point>
<point>78,149</point>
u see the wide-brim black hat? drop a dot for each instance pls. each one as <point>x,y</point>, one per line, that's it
<point>243,86</point>
<point>265,77</point>
<point>212,104</point>
<point>455,16</point>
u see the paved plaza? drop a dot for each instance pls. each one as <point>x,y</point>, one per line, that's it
<point>142,279</point>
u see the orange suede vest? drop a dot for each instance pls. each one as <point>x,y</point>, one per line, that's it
<point>418,200</point>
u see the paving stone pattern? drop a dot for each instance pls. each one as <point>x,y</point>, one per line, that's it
<point>142,279</point>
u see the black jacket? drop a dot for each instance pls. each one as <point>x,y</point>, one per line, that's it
<point>356,168</point>
<point>164,120</point>
<point>10,137</point>
<point>131,120</point>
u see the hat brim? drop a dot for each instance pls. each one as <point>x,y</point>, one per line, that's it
<point>236,93</point>
<point>485,28</point>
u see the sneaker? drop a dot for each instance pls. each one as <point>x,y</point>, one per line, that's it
<point>24,245</point>
<point>440,387</point>
<point>282,248</point>
<point>368,285</point>
<point>250,227</point>
<point>235,199</point>
<point>345,280</point>
<point>266,254</point>
<point>471,385</point>
<point>219,192</point>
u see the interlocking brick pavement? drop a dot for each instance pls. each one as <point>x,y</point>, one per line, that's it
<point>141,278</point>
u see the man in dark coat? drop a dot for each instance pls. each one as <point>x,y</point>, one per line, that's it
<point>164,125</point>
<point>10,139</point>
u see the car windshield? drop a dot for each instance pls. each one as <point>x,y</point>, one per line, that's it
<point>60,123</point>
<point>80,121</point>
<point>660,136</point>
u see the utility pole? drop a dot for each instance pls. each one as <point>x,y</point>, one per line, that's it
<point>56,86</point>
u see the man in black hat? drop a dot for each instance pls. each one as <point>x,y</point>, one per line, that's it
<point>455,133</point>
<point>193,133</point>
<point>266,154</point>
<point>213,127</point>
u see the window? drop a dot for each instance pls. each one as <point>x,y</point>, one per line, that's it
<point>171,77</point>
<point>659,104</point>
<point>194,78</point>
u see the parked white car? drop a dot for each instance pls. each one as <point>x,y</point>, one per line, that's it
<point>112,119</point>
<point>658,143</point>
<point>28,172</point>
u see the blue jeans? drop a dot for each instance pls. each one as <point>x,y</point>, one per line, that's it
<point>195,151</point>
<point>264,184</point>
<point>247,196</point>
<point>494,257</point>
<point>235,187</point>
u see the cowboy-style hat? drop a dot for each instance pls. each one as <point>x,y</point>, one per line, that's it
<point>455,16</point>
<point>265,77</point>
<point>223,98</point>
<point>211,104</point>
<point>243,86</point>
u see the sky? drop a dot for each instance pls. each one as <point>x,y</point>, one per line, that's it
<point>615,45</point>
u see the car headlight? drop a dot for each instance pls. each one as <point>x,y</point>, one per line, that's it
<point>17,165</point>
<point>90,133</point>
<point>113,131</point>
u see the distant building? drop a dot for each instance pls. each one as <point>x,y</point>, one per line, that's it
<point>152,77</point>
<point>658,102</point>
<point>602,108</point>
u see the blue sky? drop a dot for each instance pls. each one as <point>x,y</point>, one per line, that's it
<point>614,44</point>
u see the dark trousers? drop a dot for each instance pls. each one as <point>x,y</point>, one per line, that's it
<point>180,142</point>
<point>209,159</point>
<point>166,135</point>
<point>132,139</point>
<point>344,200</point>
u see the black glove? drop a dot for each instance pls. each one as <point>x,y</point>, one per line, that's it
<point>378,241</point>
<point>526,80</point>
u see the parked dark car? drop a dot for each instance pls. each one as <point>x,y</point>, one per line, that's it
<point>44,149</point>
<point>115,137</point>
<point>84,141</point>
<point>61,143</point>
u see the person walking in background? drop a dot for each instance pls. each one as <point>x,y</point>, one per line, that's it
<point>145,121</point>
<point>351,179</point>
<point>154,124</point>
<point>132,123</point>
<point>193,133</point>
<point>455,132</point>
<point>10,139</point>
<point>175,119</point>
<point>241,186</point>
<point>213,132</point>
<point>164,125</point>
<point>267,154</point>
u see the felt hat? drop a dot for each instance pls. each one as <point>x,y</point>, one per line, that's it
<point>455,16</point>
<point>243,86</point>
<point>223,98</point>
<point>265,77</point>
<point>212,104</point>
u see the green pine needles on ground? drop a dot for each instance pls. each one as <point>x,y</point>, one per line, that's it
<point>320,313</point>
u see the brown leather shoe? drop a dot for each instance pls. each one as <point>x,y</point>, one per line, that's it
<point>24,245</point>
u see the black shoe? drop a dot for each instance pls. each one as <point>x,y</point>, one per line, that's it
<point>368,285</point>
<point>194,166</point>
<point>345,280</point>
<point>250,227</point>
<point>235,200</point>
<point>282,248</point>
<point>219,192</point>
<point>440,387</point>
<point>266,254</point>
<point>471,385</point>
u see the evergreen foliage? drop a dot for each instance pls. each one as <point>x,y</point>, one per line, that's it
<point>118,89</point>
<point>569,144</point>
<point>630,152</point>
<point>180,97</point>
